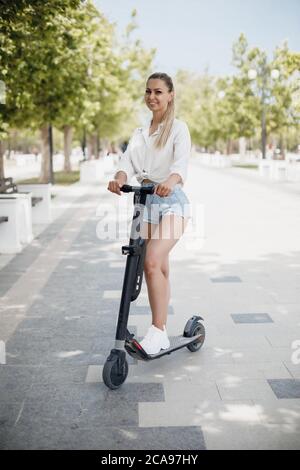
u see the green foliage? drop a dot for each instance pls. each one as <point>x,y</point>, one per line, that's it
<point>279,94</point>
<point>220,110</point>
<point>60,177</point>
<point>115,90</point>
<point>61,63</point>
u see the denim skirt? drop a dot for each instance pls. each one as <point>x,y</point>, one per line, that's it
<point>158,206</point>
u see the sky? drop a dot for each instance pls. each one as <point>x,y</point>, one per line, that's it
<point>198,34</point>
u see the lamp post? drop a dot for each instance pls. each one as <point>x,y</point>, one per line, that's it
<point>51,153</point>
<point>264,74</point>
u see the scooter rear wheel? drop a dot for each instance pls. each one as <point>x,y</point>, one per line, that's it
<point>115,371</point>
<point>198,329</point>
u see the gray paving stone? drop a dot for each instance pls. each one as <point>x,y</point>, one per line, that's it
<point>141,310</point>
<point>75,437</point>
<point>97,393</point>
<point>72,358</point>
<point>9,413</point>
<point>89,327</point>
<point>15,382</point>
<point>133,438</point>
<point>60,375</point>
<point>226,279</point>
<point>251,318</point>
<point>25,437</point>
<point>285,388</point>
<point>55,408</point>
<point>78,413</point>
<point>26,353</point>
<point>19,264</point>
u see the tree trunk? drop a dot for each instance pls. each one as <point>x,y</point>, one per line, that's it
<point>92,146</point>
<point>242,147</point>
<point>105,147</point>
<point>83,145</point>
<point>90,149</point>
<point>282,147</point>
<point>97,137</point>
<point>9,150</point>
<point>229,147</point>
<point>45,176</point>
<point>1,160</point>
<point>68,135</point>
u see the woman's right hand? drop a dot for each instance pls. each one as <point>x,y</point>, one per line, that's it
<point>114,186</point>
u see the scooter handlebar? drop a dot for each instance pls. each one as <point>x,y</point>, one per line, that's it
<point>146,189</point>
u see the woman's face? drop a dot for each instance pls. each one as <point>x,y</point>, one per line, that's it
<point>157,95</point>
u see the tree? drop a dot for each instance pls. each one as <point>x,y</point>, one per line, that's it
<point>115,90</point>
<point>92,38</point>
<point>32,43</point>
<point>62,66</point>
<point>284,108</point>
<point>195,102</point>
<point>275,85</point>
<point>236,115</point>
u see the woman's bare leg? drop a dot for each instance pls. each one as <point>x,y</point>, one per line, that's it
<point>156,266</point>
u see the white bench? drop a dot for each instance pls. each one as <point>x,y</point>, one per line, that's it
<point>275,170</point>
<point>41,201</point>
<point>17,230</point>
<point>264,168</point>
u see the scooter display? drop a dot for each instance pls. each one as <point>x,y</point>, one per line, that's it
<point>115,369</point>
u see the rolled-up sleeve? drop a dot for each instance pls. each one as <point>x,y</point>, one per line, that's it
<point>125,163</point>
<point>182,152</point>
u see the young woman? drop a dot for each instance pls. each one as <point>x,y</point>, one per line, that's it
<point>159,154</point>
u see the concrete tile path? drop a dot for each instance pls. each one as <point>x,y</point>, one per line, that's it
<point>237,265</point>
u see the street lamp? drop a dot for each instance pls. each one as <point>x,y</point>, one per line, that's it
<point>50,134</point>
<point>264,74</point>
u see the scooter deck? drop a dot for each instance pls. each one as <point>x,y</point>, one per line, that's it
<point>176,342</point>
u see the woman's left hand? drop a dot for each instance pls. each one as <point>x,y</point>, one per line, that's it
<point>164,189</point>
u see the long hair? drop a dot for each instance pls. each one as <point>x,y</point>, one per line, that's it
<point>169,115</point>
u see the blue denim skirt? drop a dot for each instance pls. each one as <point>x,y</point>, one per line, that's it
<point>158,206</point>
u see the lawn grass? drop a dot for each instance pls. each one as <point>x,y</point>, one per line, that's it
<point>60,177</point>
<point>248,166</point>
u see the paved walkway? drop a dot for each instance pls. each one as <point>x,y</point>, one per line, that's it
<point>239,270</point>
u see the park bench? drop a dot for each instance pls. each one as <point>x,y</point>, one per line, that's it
<point>16,225</point>
<point>21,206</point>
<point>7,186</point>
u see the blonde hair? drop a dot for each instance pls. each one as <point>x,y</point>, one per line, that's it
<point>169,115</point>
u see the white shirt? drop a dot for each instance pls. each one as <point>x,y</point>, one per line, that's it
<point>143,160</point>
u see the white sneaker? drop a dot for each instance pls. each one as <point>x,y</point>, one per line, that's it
<point>155,340</point>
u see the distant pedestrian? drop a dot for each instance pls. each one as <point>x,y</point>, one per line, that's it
<point>124,146</point>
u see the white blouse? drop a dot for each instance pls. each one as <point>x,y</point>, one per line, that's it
<point>143,160</point>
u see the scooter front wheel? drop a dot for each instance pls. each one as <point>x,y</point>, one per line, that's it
<point>115,369</point>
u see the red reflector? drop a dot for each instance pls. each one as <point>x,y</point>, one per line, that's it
<point>137,345</point>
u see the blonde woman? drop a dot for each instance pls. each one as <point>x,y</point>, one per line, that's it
<point>159,154</point>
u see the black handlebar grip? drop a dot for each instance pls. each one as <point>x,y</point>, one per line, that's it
<point>126,188</point>
<point>147,189</point>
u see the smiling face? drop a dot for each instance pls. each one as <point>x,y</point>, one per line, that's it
<point>157,95</point>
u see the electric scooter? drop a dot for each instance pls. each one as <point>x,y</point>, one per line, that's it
<point>115,370</point>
